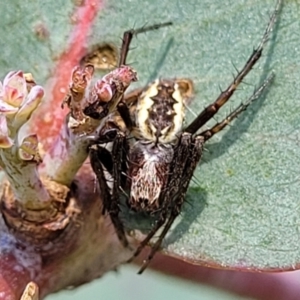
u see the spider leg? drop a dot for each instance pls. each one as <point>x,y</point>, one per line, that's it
<point>207,134</point>
<point>129,102</point>
<point>124,112</point>
<point>110,195</point>
<point>181,165</point>
<point>105,158</point>
<point>160,222</point>
<point>119,156</point>
<point>212,109</point>
<point>157,244</point>
<point>96,152</point>
<point>133,96</point>
<point>128,35</point>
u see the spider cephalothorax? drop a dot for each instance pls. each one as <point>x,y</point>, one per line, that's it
<point>154,155</point>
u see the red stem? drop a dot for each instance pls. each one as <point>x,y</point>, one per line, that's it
<point>50,116</point>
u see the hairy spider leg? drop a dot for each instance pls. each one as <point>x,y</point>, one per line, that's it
<point>111,199</point>
<point>119,156</point>
<point>128,35</point>
<point>129,99</point>
<point>125,115</point>
<point>213,108</point>
<point>98,169</point>
<point>207,134</point>
<point>132,96</point>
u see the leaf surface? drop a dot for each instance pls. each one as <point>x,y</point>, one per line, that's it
<point>243,210</point>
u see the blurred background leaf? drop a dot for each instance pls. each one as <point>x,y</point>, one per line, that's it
<point>127,285</point>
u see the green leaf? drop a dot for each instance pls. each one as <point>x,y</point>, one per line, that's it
<point>33,34</point>
<point>243,210</point>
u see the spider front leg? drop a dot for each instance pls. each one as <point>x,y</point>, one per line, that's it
<point>124,112</point>
<point>207,134</point>
<point>212,109</point>
<point>115,165</point>
<point>186,157</point>
<point>128,35</point>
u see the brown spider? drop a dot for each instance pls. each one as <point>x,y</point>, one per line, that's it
<point>156,165</point>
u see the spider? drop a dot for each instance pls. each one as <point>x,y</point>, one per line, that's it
<point>153,157</point>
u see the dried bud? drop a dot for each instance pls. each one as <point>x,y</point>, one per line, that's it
<point>103,91</point>
<point>80,80</point>
<point>108,91</point>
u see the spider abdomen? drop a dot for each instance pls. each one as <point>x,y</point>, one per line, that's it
<point>148,173</point>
